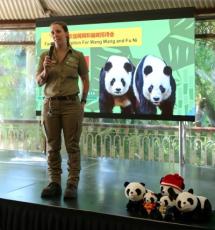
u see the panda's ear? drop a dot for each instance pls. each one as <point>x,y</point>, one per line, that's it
<point>126,184</point>
<point>142,183</point>
<point>167,70</point>
<point>190,190</point>
<point>147,70</point>
<point>172,193</point>
<point>159,195</point>
<point>108,66</point>
<point>128,67</point>
<point>183,186</point>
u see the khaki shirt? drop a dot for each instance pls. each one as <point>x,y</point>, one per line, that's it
<point>63,77</point>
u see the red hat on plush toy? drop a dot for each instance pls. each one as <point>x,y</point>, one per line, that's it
<point>173,180</point>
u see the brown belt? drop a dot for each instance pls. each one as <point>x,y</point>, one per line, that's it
<point>63,98</point>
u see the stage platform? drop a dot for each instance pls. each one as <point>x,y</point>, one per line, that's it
<point>101,204</point>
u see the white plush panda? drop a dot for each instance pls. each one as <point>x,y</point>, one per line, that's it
<point>174,181</point>
<point>191,207</point>
<point>166,201</point>
<point>150,205</point>
<point>154,86</point>
<point>150,197</point>
<point>134,192</point>
<point>165,190</point>
<point>116,85</point>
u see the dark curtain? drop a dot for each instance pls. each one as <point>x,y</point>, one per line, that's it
<point>16,215</point>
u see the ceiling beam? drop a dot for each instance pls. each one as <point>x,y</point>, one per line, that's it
<point>17,24</point>
<point>202,14</point>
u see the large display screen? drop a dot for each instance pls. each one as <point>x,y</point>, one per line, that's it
<point>141,64</point>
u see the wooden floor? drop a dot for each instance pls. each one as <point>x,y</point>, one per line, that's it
<point>23,175</point>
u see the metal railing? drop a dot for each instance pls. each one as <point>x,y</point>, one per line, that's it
<point>145,142</point>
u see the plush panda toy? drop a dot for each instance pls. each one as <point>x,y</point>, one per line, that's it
<point>189,207</point>
<point>154,86</point>
<point>165,203</point>
<point>134,192</point>
<point>150,206</point>
<point>115,85</point>
<point>174,181</point>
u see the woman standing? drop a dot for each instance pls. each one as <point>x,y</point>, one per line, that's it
<point>59,72</point>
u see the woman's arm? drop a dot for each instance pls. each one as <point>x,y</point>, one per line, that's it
<point>41,76</point>
<point>85,88</point>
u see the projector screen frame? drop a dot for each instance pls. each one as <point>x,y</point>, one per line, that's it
<point>125,17</point>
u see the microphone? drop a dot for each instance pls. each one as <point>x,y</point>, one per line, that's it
<point>51,49</point>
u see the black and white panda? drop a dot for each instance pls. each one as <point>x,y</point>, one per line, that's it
<point>134,192</point>
<point>154,86</point>
<point>174,181</point>
<point>115,85</point>
<point>150,197</point>
<point>166,201</point>
<point>190,207</point>
<point>150,205</point>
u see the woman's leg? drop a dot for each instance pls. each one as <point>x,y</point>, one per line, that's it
<point>52,129</point>
<point>72,125</point>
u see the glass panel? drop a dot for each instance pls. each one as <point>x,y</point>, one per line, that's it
<point>205,27</point>
<point>17,84</point>
<point>17,36</point>
<point>205,82</point>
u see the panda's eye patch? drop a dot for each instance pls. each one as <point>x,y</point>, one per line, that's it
<point>171,198</point>
<point>123,82</point>
<point>128,190</point>
<point>152,200</point>
<point>190,200</point>
<point>150,88</point>
<point>138,191</point>
<point>179,204</point>
<point>167,70</point>
<point>162,89</point>
<point>166,202</point>
<point>112,81</point>
<point>108,66</point>
<point>147,70</point>
<point>128,67</point>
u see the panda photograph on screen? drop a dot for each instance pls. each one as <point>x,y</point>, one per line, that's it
<point>154,86</point>
<point>115,85</point>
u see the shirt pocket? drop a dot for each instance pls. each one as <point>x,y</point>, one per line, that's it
<point>71,69</point>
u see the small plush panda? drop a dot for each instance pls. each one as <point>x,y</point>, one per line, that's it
<point>150,205</point>
<point>154,86</point>
<point>150,197</point>
<point>165,203</point>
<point>189,207</point>
<point>134,192</point>
<point>115,85</point>
<point>174,181</point>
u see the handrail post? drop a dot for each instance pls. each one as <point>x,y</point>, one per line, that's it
<point>181,146</point>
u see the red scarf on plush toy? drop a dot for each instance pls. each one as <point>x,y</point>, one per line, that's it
<point>149,206</point>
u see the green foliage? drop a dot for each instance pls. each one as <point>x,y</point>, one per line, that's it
<point>205,82</point>
<point>17,96</point>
